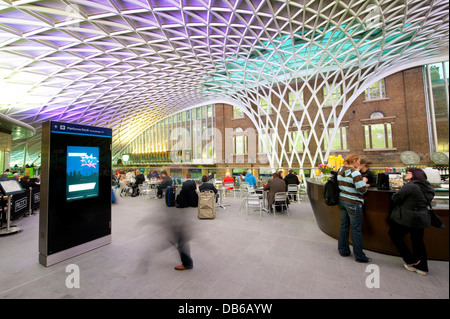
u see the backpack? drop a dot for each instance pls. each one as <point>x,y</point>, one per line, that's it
<point>331,190</point>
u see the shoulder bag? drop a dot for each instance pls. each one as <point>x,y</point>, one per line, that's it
<point>435,219</point>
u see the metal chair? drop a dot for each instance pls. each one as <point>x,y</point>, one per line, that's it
<point>302,190</point>
<point>243,189</point>
<point>229,187</point>
<point>125,189</point>
<point>254,201</point>
<point>281,200</point>
<point>145,189</point>
<point>292,190</point>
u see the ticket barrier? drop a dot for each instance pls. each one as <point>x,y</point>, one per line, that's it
<point>17,205</point>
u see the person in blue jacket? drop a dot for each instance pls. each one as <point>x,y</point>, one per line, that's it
<point>250,179</point>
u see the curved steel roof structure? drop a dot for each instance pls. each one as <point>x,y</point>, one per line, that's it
<point>128,64</point>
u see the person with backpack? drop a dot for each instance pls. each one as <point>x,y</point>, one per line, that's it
<point>352,187</point>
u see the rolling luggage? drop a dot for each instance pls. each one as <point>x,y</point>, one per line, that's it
<point>170,196</point>
<point>207,205</point>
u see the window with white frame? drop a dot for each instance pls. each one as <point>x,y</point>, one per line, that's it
<point>340,139</point>
<point>264,106</point>
<point>331,94</point>
<point>296,100</point>
<point>378,132</point>
<point>239,142</point>
<point>376,91</point>
<point>264,142</point>
<point>297,140</point>
<point>237,113</point>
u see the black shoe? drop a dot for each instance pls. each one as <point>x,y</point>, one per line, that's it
<point>368,260</point>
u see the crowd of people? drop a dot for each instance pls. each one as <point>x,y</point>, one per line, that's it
<point>354,179</point>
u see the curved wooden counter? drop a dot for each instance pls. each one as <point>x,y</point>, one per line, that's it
<point>377,208</point>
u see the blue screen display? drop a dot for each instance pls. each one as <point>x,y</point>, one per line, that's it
<point>82,172</point>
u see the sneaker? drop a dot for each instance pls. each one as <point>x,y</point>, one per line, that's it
<point>414,269</point>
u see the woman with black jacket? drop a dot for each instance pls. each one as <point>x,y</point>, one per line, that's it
<point>412,200</point>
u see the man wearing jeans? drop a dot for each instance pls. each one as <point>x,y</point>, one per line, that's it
<point>352,186</point>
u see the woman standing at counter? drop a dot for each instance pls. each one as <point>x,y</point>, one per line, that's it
<point>352,186</point>
<point>412,199</point>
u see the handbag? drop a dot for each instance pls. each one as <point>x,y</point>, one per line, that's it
<point>435,219</point>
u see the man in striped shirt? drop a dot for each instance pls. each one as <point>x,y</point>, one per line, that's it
<point>352,186</point>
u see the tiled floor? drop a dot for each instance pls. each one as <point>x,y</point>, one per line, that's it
<point>235,257</point>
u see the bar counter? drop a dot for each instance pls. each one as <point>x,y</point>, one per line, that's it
<point>376,211</point>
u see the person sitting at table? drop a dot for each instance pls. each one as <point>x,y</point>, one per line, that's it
<point>205,186</point>
<point>26,183</point>
<point>188,196</point>
<point>274,185</point>
<point>292,178</point>
<point>250,179</point>
<point>139,179</point>
<point>164,181</point>
<point>228,180</point>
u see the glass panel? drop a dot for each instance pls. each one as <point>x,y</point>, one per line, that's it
<point>264,148</point>
<point>237,112</point>
<point>344,138</point>
<point>367,135</point>
<point>332,97</point>
<point>440,99</point>
<point>376,91</point>
<point>239,140</point>
<point>378,138</point>
<point>376,115</point>
<point>296,100</point>
<point>210,111</point>
<point>389,133</point>
<point>264,105</point>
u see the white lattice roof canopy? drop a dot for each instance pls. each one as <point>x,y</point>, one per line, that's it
<point>128,64</point>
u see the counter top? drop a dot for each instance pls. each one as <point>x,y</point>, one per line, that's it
<point>375,226</point>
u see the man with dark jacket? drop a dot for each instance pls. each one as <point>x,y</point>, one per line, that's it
<point>188,196</point>
<point>291,178</point>
<point>274,185</point>
<point>139,179</point>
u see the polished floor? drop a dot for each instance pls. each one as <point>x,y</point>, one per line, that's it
<point>235,257</point>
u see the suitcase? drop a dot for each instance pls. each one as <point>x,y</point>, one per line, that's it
<point>207,205</point>
<point>170,196</point>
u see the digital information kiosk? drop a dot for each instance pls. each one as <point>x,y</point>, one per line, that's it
<point>75,208</point>
<point>9,188</point>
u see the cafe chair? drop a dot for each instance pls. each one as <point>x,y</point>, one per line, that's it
<point>253,201</point>
<point>229,187</point>
<point>145,189</point>
<point>281,200</point>
<point>293,192</point>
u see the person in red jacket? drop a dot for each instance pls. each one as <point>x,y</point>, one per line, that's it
<point>228,180</point>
